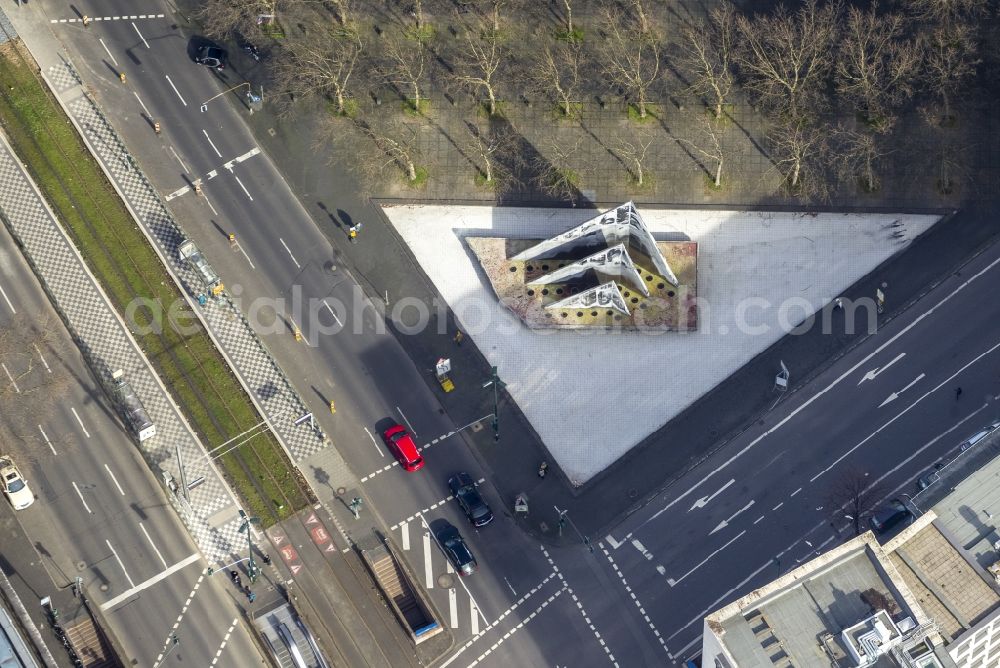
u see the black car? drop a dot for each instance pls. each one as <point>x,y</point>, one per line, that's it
<point>212,56</point>
<point>889,516</point>
<point>465,490</point>
<point>458,552</point>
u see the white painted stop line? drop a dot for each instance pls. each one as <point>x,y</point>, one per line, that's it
<point>453,607</point>
<point>428,567</point>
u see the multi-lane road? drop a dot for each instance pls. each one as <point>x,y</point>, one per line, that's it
<point>99,514</point>
<point>750,511</point>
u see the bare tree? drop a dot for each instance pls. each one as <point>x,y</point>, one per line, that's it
<point>321,62</point>
<point>949,61</point>
<point>639,10</point>
<point>228,18</point>
<point>948,12</point>
<point>557,72</point>
<point>555,173</point>
<point>853,496</point>
<point>343,10</point>
<point>495,155</point>
<point>876,68</point>
<point>568,4</point>
<point>480,60</point>
<point>798,150</point>
<point>630,63</point>
<point>418,13</point>
<point>708,51</point>
<point>709,144</point>
<point>397,142</point>
<point>633,151</point>
<point>859,155</point>
<point>405,67</point>
<point>786,57</point>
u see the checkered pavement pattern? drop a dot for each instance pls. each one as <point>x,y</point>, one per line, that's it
<point>7,31</point>
<point>211,514</point>
<point>256,368</point>
<point>62,77</point>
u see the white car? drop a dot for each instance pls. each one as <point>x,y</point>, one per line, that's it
<point>15,486</point>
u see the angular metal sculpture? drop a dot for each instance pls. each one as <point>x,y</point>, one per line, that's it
<point>604,296</point>
<point>612,262</point>
<point>620,225</point>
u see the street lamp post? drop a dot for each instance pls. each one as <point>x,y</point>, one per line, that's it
<point>564,519</point>
<point>497,386</point>
<point>246,521</point>
<point>174,640</point>
<point>355,507</point>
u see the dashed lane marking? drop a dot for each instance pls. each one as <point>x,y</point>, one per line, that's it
<point>635,599</point>
<point>134,17</point>
<point>579,606</point>
<point>430,507</point>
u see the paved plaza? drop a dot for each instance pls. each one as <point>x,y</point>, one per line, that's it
<point>760,274</point>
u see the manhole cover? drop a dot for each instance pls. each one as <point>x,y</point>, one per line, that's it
<point>271,132</point>
<point>632,493</point>
<point>477,427</point>
<point>544,527</point>
<point>103,587</point>
<point>341,491</point>
<point>81,565</point>
<point>445,581</point>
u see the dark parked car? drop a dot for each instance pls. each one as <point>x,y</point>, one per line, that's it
<point>211,56</point>
<point>464,488</point>
<point>458,552</point>
<point>889,516</point>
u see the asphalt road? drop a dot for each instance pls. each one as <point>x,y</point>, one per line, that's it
<point>888,410</point>
<point>639,597</point>
<point>347,356</point>
<point>99,513</point>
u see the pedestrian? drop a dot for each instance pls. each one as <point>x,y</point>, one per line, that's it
<point>266,559</point>
<point>543,469</point>
<point>958,392</point>
<point>352,233</point>
<point>252,597</point>
<point>459,337</point>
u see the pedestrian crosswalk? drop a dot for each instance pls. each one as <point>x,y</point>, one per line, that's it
<point>437,575</point>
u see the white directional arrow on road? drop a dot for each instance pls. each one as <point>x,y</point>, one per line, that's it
<point>877,370</point>
<point>703,501</point>
<point>895,395</point>
<point>724,523</point>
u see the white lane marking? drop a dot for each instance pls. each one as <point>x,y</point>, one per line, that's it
<point>404,531</point>
<point>162,575</point>
<point>6,299</point>
<point>175,90</point>
<point>895,395</point>
<point>108,18</point>
<point>186,170</point>
<point>375,443</point>
<point>795,492</point>
<point>428,566</point>
<point>703,501</point>
<point>108,51</point>
<point>120,563</point>
<point>461,580</point>
<point>871,375</point>
<point>289,253</point>
<point>77,416</point>
<point>453,607</point>
<point>724,523</point>
<point>240,158</point>
<point>42,357</point>
<point>757,521</point>
<point>142,105</point>
<point>245,255</point>
<point>672,582</point>
<point>153,545</point>
<point>45,436</point>
<point>243,186</point>
<point>333,313</point>
<point>225,640</point>
<point>642,549</point>
<point>614,543</point>
<point>906,410</point>
<point>412,430</point>
<point>80,494</point>
<point>140,34</point>
<point>211,143</point>
<point>209,203</point>
<point>919,319</point>
<point>122,491</point>
<point>12,381</point>
<point>474,619</point>
<point>635,598</point>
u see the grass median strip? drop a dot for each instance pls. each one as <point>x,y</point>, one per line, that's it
<point>131,273</point>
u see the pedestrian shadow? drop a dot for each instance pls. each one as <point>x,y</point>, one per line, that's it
<point>329,214</point>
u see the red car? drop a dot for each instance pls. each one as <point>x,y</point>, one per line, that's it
<point>402,446</point>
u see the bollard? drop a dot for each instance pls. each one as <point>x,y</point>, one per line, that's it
<point>232,238</point>
<point>333,409</point>
<point>156,127</point>
<point>197,187</point>
<point>298,334</point>
<point>121,75</point>
<point>86,21</point>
